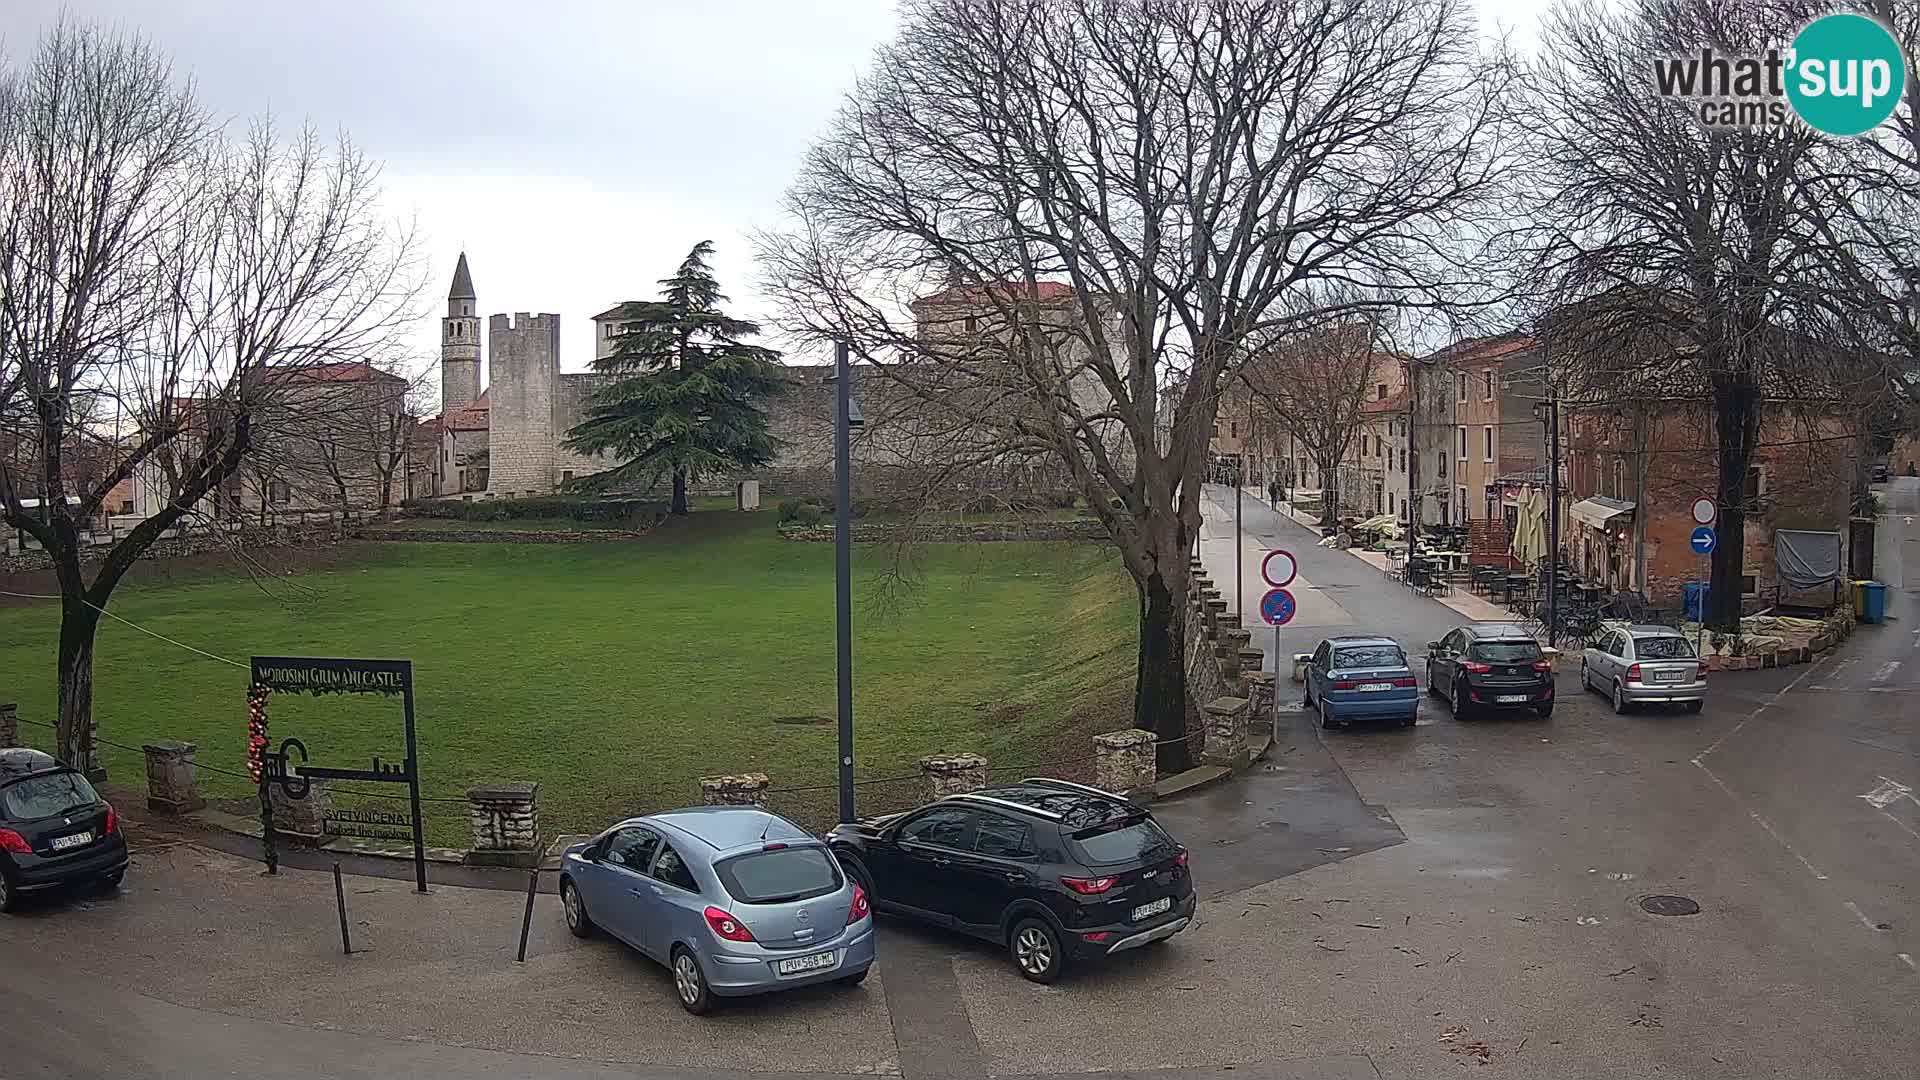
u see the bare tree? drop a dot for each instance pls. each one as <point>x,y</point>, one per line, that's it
<point>160,289</point>
<point>1691,263</point>
<point>1314,384</point>
<point>1084,204</point>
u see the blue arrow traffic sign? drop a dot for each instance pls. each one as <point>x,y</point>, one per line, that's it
<point>1702,540</point>
<point>1277,607</point>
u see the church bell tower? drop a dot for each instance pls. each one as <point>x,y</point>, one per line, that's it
<point>460,343</point>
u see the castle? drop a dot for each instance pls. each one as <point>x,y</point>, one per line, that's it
<point>506,441</point>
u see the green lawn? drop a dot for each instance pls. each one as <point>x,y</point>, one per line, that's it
<point>616,674</point>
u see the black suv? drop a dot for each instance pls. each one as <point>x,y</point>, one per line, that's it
<point>54,828</point>
<point>1053,870</point>
<point>1488,666</point>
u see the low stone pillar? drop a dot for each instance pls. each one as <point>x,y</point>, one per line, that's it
<point>1124,762</point>
<point>1228,643</point>
<point>173,782</point>
<point>303,819</point>
<point>1259,686</point>
<point>744,789</point>
<point>1226,722</point>
<point>1216,607</point>
<point>9,724</point>
<point>1251,660</point>
<point>506,824</point>
<point>1230,622</point>
<point>1229,665</point>
<point>954,774</point>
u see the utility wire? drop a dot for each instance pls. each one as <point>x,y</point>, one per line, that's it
<point>129,622</point>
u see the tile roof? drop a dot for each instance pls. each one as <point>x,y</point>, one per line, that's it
<point>1039,290</point>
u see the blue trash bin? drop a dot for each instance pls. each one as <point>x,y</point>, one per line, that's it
<point>1694,599</point>
<point>1874,609</point>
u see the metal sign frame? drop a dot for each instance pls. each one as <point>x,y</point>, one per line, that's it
<point>330,675</point>
<point>1286,600</point>
<point>1292,564</point>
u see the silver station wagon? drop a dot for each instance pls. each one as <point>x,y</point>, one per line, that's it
<point>732,899</point>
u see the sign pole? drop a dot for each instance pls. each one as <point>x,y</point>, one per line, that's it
<point>1276,680</point>
<point>413,792</point>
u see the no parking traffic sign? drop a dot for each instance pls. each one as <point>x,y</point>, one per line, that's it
<point>1277,608</point>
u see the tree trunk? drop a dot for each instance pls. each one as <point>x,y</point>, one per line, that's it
<point>1329,493</point>
<point>1160,680</point>
<point>679,504</point>
<point>1736,429</point>
<point>75,728</point>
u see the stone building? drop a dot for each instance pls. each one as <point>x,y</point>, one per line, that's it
<point>506,440</point>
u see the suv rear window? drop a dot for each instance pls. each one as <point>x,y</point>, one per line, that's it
<point>779,876</point>
<point>46,795</point>
<point>1662,648</point>
<point>1505,652</point>
<point>1138,839</point>
<point>1368,656</point>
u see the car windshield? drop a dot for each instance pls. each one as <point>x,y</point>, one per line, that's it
<point>1135,839</point>
<point>1368,656</point>
<point>779,876</point>
<point>46,795</point>
<point>1505,652</point>
<point>1662,648</point>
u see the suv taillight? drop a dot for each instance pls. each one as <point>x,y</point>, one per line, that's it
<point>1090,886</point>
<point>13,842</point>
<point>860,908</point>
<point>726,926</point>
<point>1181,859</point>
<point>1475,667</point>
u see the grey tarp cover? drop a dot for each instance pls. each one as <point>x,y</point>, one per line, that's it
<point>1806,559</point>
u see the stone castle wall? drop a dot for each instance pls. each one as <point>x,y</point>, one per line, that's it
<point>522,444</point>
<point>569,408</point>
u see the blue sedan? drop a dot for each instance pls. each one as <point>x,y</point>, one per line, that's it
<point>732,899</point>
<point>1362,678</point>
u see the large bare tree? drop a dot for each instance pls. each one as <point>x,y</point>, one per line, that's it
<point>1062,220</point>
<point>1312,385</point>
<point>1690,263</point>
<point>161,288</point>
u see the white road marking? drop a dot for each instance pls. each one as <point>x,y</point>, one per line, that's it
<point>1908,960</point>
<point>1887,792</point>
<point>1886,671</point>
<point>1862,916</point>
<point>1903,825</point>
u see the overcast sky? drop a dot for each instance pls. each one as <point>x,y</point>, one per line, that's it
<point>575,149</point>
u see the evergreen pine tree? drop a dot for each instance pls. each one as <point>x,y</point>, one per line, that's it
<point>686,398</point>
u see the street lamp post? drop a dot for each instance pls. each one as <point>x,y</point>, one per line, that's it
<point>846,417</point>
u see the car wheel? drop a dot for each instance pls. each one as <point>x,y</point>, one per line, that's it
<point>1326,716</point>
<point>1694,706</point>
<point>1619,699</point>
<point>1412,719</point>
<point>578,920</point>
<point>8,895</point>
<point>1543,712</point>
<point>854,979</point>
<point>1036,950</point>
<point>1457,699</point>
<point>689,985</point>
<point>112,881</point>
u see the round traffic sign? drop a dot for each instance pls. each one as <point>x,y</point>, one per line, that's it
<point>1705,511</point>
<point>1277,607</point>
<point>1279,568</point>
<point>1702,540</point>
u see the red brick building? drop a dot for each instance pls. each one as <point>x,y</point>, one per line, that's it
<point>1632,476</point>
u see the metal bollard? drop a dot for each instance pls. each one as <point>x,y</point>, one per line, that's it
<point>526,920</point>
<point>340,900</point>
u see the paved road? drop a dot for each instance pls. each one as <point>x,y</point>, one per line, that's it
<point>1397,903</point>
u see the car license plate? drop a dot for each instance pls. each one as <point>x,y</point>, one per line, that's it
<point>1370,687</point>
<point>62,843</point>
<point>1666,676</point>
<point>1509,699</point>
<point>816,962</point>
<point>1149,910</point>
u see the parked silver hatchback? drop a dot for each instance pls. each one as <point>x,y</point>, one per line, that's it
<point>1645,665</point>
<point>732,899</point>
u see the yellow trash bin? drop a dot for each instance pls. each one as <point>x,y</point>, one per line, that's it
<point>1859,599</point>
